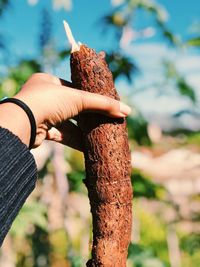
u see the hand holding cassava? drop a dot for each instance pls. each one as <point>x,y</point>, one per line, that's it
<point>54,101</point>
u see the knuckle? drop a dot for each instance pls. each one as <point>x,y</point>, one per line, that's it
<point>82,100</point>
<point>36,75</point>
<point>41,76</point>
<point>109,103</point>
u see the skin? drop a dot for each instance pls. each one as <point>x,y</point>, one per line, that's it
<point>53,102</point>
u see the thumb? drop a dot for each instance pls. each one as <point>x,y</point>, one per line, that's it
<point>103,104</point>
<point>67,134</point>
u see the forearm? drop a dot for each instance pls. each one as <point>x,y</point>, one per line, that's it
<point>17,177</point>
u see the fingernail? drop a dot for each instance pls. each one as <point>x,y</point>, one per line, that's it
<point>124,109</point>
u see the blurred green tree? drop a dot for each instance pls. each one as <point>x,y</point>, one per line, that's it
<point>42,246</point>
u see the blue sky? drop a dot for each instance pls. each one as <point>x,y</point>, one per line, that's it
<point>21,20</point>
<point>20,26</point>
<point>182,14</point>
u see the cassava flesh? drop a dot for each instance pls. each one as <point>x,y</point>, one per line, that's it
<point>108,164</point>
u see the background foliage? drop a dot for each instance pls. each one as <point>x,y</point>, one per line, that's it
<point>54,226</point>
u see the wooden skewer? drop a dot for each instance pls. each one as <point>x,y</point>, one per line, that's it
<point>70,37</point>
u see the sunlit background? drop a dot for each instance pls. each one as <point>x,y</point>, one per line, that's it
<point>152,49</point>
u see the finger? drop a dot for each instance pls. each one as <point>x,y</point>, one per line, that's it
<point>103,104</point>
<point>95,102</point>
<point>40,134</point>
<point>85,101</point>
<point>67,134</point>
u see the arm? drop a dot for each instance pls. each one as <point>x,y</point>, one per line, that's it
<point>52,104</point>
<point>17,178</point>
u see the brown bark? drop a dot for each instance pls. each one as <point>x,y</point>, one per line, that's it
<point>107,161</point>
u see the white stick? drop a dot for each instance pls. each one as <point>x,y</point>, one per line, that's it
<point>75,46</point>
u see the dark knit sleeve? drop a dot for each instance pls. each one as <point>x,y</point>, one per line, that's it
<point>18,175</point>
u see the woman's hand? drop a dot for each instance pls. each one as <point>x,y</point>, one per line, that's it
<point>54,101</point>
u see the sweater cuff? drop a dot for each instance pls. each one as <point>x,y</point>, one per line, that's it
<point>18,174</point>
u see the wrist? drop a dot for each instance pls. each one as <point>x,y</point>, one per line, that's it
<point>14,118</point>
<point>35,107</point>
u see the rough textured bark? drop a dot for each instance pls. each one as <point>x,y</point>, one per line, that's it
<point>107,161</point>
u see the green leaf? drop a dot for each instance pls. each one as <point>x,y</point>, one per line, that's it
<point>75,179</point>
<point>194,42</point>
<point>121,65</point>
<point>115,19</point>
<point>17,76</point>
<point>3,5</point>
<point>143,256</point>
<point>194,139</point>
<point>137,129</point>
<point>144,187</point>
<point>182,86</point>
<point>170,36</point>
<point>64,53</point>
<point>33,213</point>
<point>191,243</point>
<point>186,90</point>
<point>76,261</point>
<point>24,70</point>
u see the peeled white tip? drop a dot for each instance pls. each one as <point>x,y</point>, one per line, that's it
<point>74,45</point>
